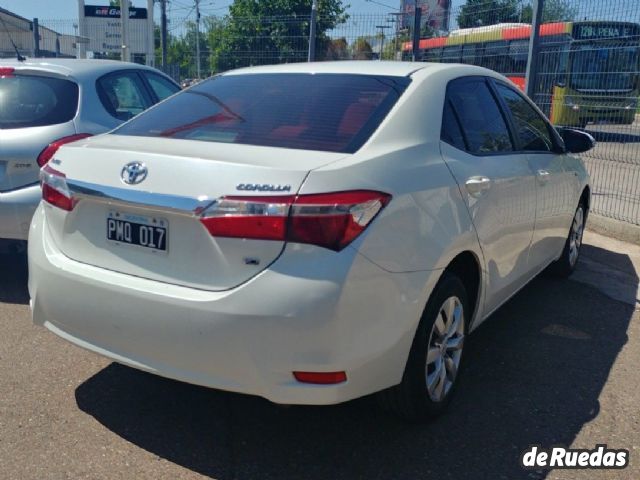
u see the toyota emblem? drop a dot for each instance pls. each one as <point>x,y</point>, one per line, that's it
<point>133,173</point>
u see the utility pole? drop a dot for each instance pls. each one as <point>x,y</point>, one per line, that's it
<point>382,29</point>
<point>534,49</point>
<point>417,18</point>
<point>124,30</point>
<point>198,39</point>
<point>312,31</point>
<point>151,36</point>
<point>81,48</point>
<point>36,37</point>
<point>163,32</point>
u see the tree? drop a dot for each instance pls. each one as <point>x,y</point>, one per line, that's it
<point>393,45</point>
<point>554,11</point>
<point>337,49</point>
<point>477,13</point>
<point>362,49</point>
<point>258,32</point>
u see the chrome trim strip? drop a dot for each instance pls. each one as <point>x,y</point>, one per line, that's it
<point>136,198</point>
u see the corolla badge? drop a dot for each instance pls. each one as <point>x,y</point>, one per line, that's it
<point>133,173</point>
<point>263,187</point>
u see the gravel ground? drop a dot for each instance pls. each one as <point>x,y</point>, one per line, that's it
<point>558,364</point>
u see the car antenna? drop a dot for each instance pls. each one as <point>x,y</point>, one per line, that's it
<point>19,57</point>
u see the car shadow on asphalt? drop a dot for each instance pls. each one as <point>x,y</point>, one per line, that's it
<point>13,278</point>
<point>534,373</point>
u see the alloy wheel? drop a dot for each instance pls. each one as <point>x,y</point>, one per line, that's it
<point>444,349</point>
<point>575,236</point>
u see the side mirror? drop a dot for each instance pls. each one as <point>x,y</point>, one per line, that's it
<point>576,141</point>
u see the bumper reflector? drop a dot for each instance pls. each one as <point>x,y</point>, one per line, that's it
<point>321,378</point>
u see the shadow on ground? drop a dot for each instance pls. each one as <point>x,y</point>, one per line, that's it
<point>534,374</point>
<point>13,278</point>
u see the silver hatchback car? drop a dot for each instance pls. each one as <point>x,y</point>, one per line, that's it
<point>45,103</point>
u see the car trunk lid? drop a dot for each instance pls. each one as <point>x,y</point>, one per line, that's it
<point>177,188</point>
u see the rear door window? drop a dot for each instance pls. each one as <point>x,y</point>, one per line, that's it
<point>123,94</point>
<point>36,101</point>
<point>328,112</point>
<point>161,87</point>
<point>451,131</point>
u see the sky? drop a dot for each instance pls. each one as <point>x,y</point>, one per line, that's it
<point>67,9</point>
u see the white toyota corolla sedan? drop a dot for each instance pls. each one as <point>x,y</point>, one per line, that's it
<point>309,233</point>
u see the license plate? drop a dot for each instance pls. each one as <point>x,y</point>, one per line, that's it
<point>138,230</point>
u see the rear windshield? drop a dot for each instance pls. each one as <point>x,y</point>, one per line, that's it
<point>329,112</point>
<point>35,101</point>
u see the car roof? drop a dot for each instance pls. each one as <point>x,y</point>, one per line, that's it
<point>417,70</point>
<point>396,69</point>
<point>72,67</point>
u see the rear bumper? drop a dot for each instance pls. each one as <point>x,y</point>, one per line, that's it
<point>341,314</point>
<point>16,210</point>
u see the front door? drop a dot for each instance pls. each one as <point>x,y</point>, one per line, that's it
<point>556,185</point>
<point>495,180</point>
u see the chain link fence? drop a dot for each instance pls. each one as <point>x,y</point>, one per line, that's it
<point>588,61</point>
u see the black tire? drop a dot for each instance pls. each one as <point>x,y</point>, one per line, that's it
<point>566,264</point>
<point>411,400</point>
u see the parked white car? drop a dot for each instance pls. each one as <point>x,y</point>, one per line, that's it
<point>309,233</point>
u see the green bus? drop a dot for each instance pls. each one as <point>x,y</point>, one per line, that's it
<point>587,72</point>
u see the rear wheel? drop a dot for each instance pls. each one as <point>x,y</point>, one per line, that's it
<point>566,264</point>
<point>435,359</point>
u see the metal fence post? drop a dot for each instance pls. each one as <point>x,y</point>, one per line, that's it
<point>124,30</point>
<point>312,31</point>
<point>416,34</point>
<point>163,32</point>
<point>81,48</point>
<point>36,38</point>
<point>534,49</point>
<point>198,39</point>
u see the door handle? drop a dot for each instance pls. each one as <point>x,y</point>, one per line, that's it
<point>476,186</point>
<point>543,176</point>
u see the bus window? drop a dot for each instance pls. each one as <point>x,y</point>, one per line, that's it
<point>495,56</point>
<point>469,54</point>
<point>604,67</point>
<point>432,55</point>
<point>451,54</point>
<point>518,54</point>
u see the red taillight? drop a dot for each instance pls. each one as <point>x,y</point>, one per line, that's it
<point>50,150</point>
<point>320,378</point>
<point>330,220</point>
<point>55,190</point>
<point>262,218</point>
<point>6,72</point>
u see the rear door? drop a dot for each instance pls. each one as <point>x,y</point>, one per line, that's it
<point>496,182</point>
<point>555,184</point>
<point>35,110</point>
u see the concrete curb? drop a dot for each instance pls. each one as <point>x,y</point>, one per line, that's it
<point>627,232</point>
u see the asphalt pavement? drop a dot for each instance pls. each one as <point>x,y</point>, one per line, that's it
<point>558,364</point>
